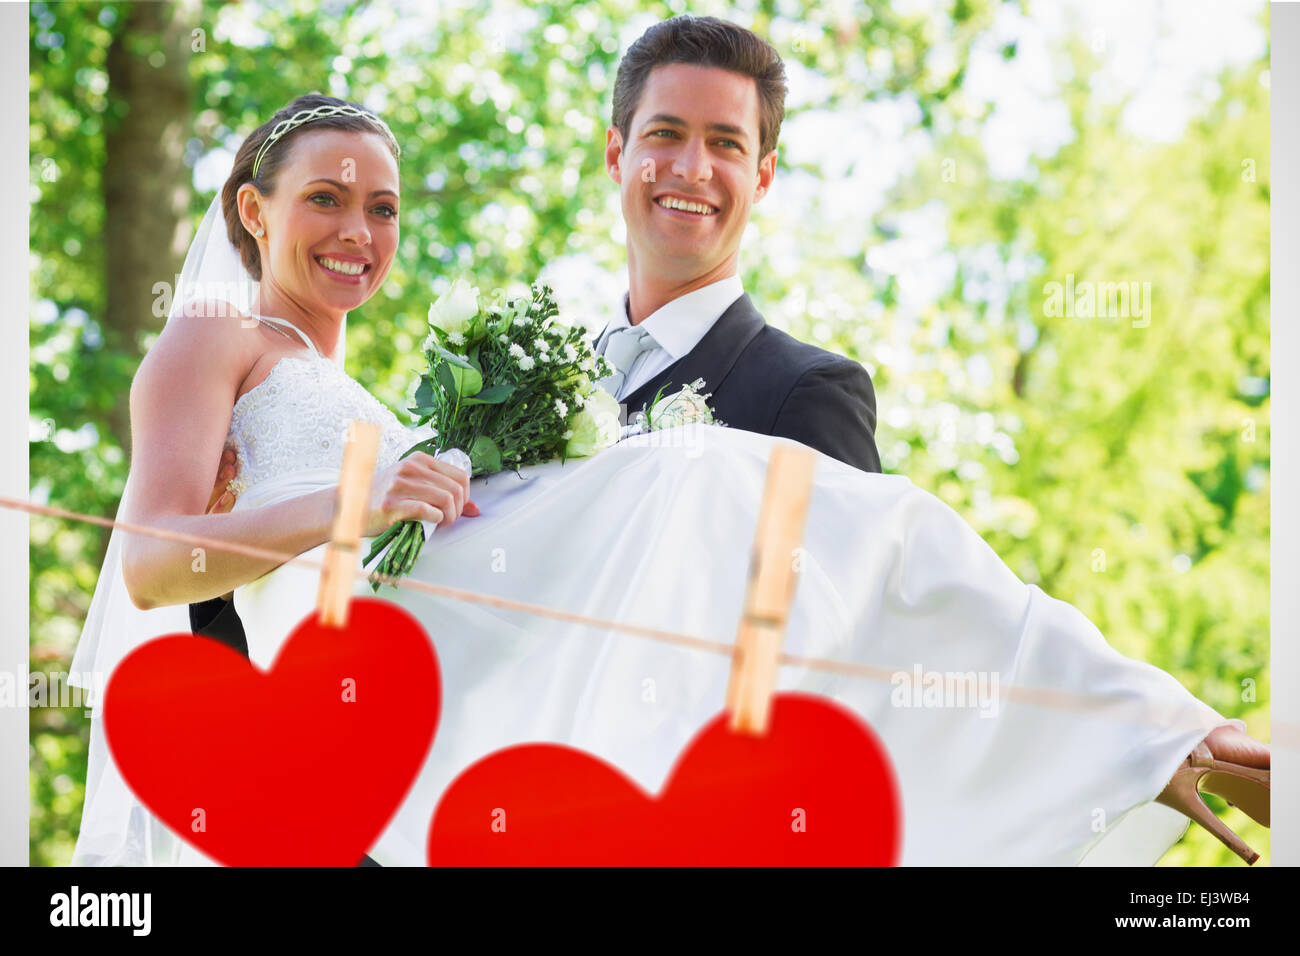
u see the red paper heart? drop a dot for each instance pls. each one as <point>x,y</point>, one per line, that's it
<point>284,767</point>
<point>730,800</point>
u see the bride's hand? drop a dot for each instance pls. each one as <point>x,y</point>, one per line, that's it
<point>418,488</point>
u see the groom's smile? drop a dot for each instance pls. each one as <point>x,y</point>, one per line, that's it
<point>690,207</point>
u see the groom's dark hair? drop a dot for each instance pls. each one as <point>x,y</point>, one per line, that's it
<point>704,41</point>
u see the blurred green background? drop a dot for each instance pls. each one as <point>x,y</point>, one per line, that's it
<point>940,164</point>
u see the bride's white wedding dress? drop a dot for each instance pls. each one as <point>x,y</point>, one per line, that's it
<point>658,531</point>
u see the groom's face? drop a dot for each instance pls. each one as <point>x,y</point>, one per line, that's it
<point>693,141</point>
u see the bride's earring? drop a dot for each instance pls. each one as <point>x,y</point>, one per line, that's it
<point>260,233</point>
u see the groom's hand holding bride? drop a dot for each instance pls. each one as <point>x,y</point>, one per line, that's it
<point>222,498</point>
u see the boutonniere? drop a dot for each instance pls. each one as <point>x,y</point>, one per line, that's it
<point>687,406</point>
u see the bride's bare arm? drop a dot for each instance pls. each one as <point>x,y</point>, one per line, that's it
<point>181,402</point>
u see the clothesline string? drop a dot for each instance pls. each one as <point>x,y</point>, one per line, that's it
<point>1063,700</point>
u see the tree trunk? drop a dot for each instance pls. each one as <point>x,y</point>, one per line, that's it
<point>146,182</point>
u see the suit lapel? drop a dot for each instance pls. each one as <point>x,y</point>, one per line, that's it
<point>712,358</point>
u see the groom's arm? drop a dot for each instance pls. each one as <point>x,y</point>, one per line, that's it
<point>832,407</point>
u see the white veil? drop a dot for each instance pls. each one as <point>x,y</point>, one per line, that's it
<point>116,829</point>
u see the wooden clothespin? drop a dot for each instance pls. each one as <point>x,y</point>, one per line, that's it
<point>772,582</point>
<point>341,556</point>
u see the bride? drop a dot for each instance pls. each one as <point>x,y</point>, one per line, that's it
<point>655,533</point>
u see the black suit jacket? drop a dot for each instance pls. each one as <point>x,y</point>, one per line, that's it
<point>766,381</point>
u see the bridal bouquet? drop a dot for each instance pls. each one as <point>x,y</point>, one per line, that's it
<point>508,383</point>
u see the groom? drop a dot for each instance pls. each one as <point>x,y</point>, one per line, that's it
<point>698,105</point>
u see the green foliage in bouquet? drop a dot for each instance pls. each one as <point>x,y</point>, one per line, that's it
<point>508,384</point>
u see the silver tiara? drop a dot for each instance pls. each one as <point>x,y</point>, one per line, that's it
<point>306,116</point>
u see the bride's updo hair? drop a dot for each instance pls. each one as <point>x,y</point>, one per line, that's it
<point>274,159</point>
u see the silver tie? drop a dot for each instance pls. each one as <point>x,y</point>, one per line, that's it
<point>621,351</point>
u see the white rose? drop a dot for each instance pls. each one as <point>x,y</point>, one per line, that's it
<point>593,427</point>
<point>602,404</point>
<point>455,308</point>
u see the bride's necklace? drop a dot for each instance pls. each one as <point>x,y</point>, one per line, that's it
<point>270,324</point>
<point>274,328</point>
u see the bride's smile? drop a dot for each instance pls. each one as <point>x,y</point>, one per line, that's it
<point>343,267</point>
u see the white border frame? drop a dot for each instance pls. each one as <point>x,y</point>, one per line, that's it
<point>15,565</point>
<point>1284,513</point>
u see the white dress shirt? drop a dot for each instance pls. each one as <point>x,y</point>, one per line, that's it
<point>677,326</point>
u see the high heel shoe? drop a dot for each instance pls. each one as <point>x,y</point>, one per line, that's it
<point>1244,787</point>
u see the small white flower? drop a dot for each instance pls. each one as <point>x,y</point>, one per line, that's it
<point>580,400</point>
<point>561,409</point>
<point>587,364</point>
<point>541,345</point>
<point>455,338</point>
<point>543,356</point>
<point>570,353</point>
<point>526,362</point>
<point>522,320</point>
<point>517,350</point>
<point>503,338</point>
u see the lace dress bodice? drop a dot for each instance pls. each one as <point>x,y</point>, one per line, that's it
<point>297,419</point>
